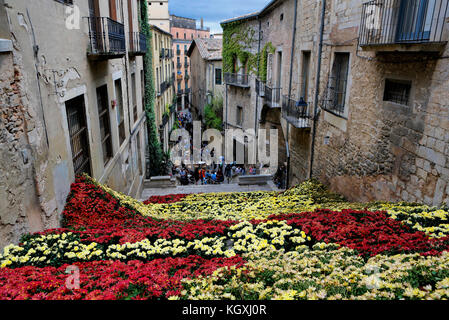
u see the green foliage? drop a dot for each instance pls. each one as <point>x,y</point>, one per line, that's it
<point>154,147</point>
<point>237,43</point>
<point>213,114</point>
<point>268,48</point>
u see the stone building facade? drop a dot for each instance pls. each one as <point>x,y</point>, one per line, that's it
<point>207,73</point>
<point>380,129</point>
<point>70,102</point>
<point>184,31</point>
<point>164,78</point>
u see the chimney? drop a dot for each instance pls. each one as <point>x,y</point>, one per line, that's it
<point>202,23</point>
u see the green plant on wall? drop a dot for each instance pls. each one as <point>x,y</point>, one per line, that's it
<point>237,43</point>
<point>267,49</point>
<point>154,147</point>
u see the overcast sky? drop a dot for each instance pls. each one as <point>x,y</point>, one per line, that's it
<point>214,11</point>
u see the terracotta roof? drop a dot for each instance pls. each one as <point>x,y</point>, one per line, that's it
<point>210,49</point>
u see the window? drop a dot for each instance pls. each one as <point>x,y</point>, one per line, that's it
<point>185,37</point>
<point>239,120</point>
<point>76,119</point>
<point>103,117</point>
<point>139,153</point>
<point>142,87</point>
<point>305,75</point>
<point>218,76</point>
<point>338,80</point>
<point>282,17</point>
<point>68,2</point>
<point>397,91</point>
<point>120,111</point>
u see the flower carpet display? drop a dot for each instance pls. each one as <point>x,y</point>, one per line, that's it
<point>304,243</point>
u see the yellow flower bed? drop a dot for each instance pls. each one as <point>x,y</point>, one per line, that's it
<point>325,272</point>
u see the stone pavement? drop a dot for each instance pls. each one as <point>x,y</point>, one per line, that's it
<point>212,188</point>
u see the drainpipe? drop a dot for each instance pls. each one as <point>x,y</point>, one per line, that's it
<point>257,97</point>
<point>317,89</point>
<point>290,92</point>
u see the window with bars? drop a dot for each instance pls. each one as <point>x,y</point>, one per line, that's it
<point>218,76</point>
<point>120,111</point>
<point>397,91</point>
<point>105,128</point>
<point>337,85</point>
<point>133,94</point>
<point>79,141</point>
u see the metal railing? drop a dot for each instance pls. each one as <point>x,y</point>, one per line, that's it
<point>402,21</point>
<point>106,36</point>
<point>296,112</point>
<point>235,79</point>
<point>179,65</point>
<point>271,96</point>
<point>137,43</point>
<point>186,65</point>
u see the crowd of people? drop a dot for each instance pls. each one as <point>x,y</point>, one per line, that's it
<point>216,173</point>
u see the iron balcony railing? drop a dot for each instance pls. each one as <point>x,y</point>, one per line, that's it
<point>241,80</point>
<point>270,95</point>
<point>106,38</point>
<point>179,65</point>
<point>137,43</point>
<point>296,112</point>
<point>402,22</point>
<point>186,64</point>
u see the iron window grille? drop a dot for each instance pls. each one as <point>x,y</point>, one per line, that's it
<point>335,96</point>
<point>397,91</point>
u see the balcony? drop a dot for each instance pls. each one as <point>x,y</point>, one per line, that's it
<point>186,65</point>
<point>297,113</point>
<point>186,76</point>
<point>238,80</point>
<point>106,39</point>
<point>179,77</point>
<point>137,44</point>
<point>271,96</point>
<point>179,65</point>
<point>403,25</point>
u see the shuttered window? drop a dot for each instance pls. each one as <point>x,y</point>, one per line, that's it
<point>105,127</point>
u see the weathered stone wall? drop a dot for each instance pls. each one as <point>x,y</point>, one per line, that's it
<point>47,67</point>
<point>379,150</point>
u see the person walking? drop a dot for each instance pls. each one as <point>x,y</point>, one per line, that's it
<point>228,172</point>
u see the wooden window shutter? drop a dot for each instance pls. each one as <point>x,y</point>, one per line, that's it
<point>113,10</point>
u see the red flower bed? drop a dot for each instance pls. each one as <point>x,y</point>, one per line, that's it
<point>370,233</point>
<point>98,216</point>
<point>170,198</point>
<point>104,280</point>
